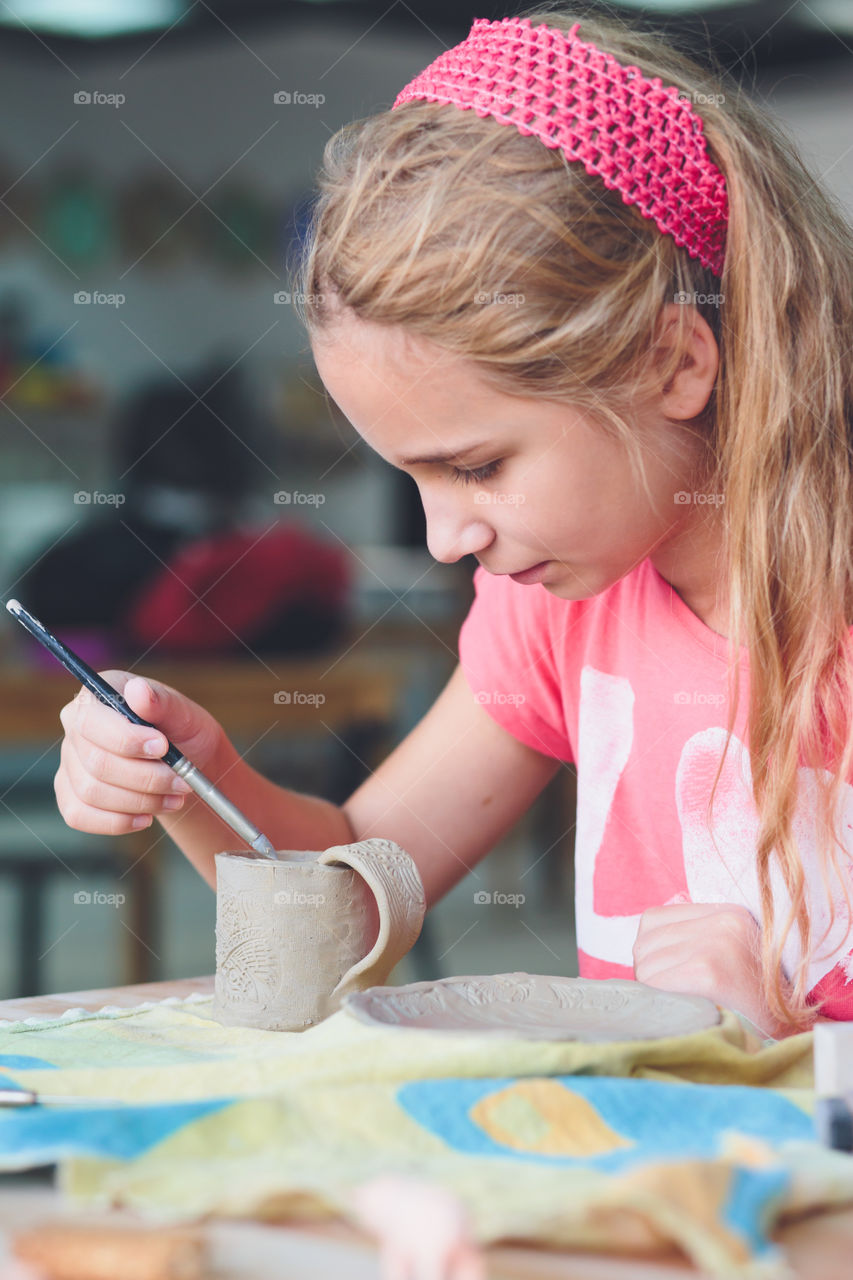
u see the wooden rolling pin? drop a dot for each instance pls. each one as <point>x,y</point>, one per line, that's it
<point>66,1251</point>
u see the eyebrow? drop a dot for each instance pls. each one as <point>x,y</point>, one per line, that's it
<point>457,455</point>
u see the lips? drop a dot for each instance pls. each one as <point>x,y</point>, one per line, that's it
<point>534,574</point>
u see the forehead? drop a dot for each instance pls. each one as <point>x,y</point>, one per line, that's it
<point>391,350</point>
<point>402,393</point>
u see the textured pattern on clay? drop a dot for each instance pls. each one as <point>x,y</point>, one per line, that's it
<point>537,1007</point>
<point>292,935</point>
<point>247,967</point>
<point>392,876</point>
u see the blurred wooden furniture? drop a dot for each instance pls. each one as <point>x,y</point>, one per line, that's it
<point>355,698</point>
<point>240,693</point>
<point>818,1246</point>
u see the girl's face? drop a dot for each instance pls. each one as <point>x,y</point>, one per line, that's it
<point>529,487</point>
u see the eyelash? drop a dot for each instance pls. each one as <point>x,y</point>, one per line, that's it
<point>477,475</point>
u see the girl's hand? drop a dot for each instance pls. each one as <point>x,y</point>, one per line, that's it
<point>107,782</point>
<point>422,1230</point>
<point>706,949</point>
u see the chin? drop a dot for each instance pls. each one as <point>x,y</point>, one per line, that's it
<point>570,587</point>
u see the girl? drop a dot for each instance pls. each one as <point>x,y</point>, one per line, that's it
<point>588,296</point>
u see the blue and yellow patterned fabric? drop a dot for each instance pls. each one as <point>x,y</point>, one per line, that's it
<point>702,1142</point>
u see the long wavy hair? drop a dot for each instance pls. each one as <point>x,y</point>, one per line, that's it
<point>422,209</point>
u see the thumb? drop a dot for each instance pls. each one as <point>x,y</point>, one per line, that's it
<point>169,710</point>
<point>141,696</point>
<point>192,729</point>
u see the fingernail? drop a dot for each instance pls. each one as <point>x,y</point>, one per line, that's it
<point>178,784</point>
<point>155,747</point>
<point>151,694</point>
<point>173,802</point>
<point>144,820</point>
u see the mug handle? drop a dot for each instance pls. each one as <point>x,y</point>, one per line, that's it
<point>394,881</point>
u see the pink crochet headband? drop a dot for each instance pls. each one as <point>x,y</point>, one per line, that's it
<point>649,147</point>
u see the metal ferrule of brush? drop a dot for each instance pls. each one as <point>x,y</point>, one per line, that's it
<point>221,805</point>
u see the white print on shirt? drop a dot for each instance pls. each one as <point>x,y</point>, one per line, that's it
<point>723,874</point>
<point>605,738</point>
<point>730,875</point>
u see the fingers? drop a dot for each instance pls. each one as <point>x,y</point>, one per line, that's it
<point>87,804</point>
<point>422,1229</point>
<point>137,771</point>
<point>83,817</point>
<point>99,724</point>
<point>696,922</point>
<point>659,966</point>
<point>678,912</point>
<point>110,780</point>
<point>107,781</point>
<point>179,718</point>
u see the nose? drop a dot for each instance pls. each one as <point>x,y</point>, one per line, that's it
<point>456,532</point>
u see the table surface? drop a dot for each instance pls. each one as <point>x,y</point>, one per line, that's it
<point>818,1247</point>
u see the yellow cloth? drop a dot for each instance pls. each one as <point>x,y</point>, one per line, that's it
<point>620,1147</point>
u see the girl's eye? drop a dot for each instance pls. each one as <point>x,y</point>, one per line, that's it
<point>477,475</point>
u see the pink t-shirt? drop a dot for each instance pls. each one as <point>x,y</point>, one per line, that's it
<point>631,686</point>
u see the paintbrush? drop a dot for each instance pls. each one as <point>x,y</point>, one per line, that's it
<point>183,767</point>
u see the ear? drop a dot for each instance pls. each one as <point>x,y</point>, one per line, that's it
<point>689,389</point>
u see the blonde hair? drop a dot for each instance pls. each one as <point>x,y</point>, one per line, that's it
<point>422,209</point>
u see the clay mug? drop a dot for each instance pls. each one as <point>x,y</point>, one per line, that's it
<point>293,935</point>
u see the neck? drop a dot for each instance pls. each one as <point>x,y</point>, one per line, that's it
<point>693,563</point>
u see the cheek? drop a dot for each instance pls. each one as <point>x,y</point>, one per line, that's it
<point>568,507</point>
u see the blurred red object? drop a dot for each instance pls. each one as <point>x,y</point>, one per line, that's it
<point>246,588</point>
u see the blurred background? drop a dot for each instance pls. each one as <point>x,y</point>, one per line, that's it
<point>177,496</point>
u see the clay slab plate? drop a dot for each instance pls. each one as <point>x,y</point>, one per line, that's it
<point>536,1007</point>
